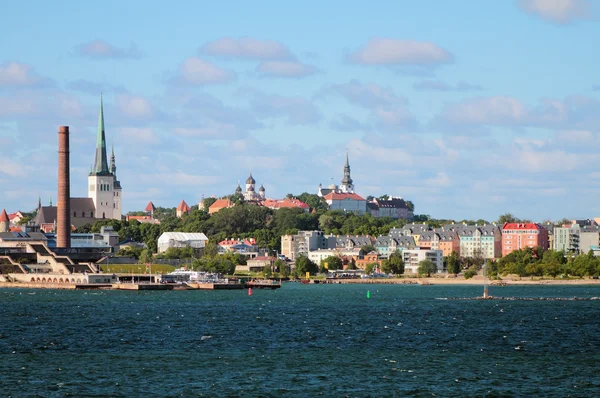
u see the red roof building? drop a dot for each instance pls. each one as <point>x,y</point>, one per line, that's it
<point>285,203</point>
<point>150,208</point>
<point>347,202</point>
<point>516,236</point>
<point>182,209</point>
<point>219,205</point>
<point>4,222</point>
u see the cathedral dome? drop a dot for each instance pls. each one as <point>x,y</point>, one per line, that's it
<point>250,180</point>
<point>261,189</point>
<point>251,189</point>
<point>238,189</point>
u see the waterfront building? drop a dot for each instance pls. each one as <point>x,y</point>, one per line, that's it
<point>345,254</point>
<point>368,258</point>
<point>483,241</point>
<point>247,247</point>
<point>352,241</point>
<point>304,242</point>
<point>440,239</point>
<point>517,236</point>
<point>387,245</point>
<point>412,258</point>
<point>347,202</point>
<point>195,240</point>
<point>256,264</point>
<point>589,238</point>
<point>566,238</point>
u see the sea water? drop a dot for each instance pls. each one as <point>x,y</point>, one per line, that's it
<point>301,340</point>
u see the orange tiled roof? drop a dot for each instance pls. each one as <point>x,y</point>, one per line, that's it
<point>342,196</point>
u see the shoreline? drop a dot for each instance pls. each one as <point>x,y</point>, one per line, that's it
<point>461,281</point>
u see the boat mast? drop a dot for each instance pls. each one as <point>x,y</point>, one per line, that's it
<point>485,280</point>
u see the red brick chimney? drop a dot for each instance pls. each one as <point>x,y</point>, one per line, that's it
<point>63,211</point>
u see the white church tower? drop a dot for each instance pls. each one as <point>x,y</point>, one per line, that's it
<point>103,186</point>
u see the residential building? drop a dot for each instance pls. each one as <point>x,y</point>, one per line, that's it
<point>352,241</point>
<point>517,236</point>
<point>258,264</point>
<point>82,212</point>
<point>387,245</point>
<point>394,207</point>
<point>195,240</point>
<point>440,239</point>
<point>412,258</point>
<point>15,218</point>
<point>304,242</point>
<point>368,258</point>
<point>344,253</point>
<point>589,238</point>
<point>566,238</point>
<point>480,240</point>
<point>240,246</point>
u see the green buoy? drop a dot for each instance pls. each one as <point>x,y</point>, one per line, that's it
<point>368,294</point>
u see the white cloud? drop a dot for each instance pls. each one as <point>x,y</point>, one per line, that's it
<point>368,95</point>
<point>438,85</point>
<point>195,70</point>
<point>20,75</point>
<point>486,110</point>
<point>247,47</point>
<point>382,51</point>
<point>557,11</point>
<point>296,110</point>
<point>137,136</point>
<point>100,49</point>
<point>290,69</point>
<point>135,106</point>
<point>9,168</point>
<point>441,179</point>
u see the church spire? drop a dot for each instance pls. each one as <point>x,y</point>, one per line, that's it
<point>101,163</point>
<point>346,185</point>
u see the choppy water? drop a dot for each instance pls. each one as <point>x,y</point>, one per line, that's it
<point>302,340</point>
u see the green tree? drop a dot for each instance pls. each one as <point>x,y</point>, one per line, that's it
<point>304,265</point>
<point>507,217</point>
<point>284,270</point>
<point>368,249</point>
<point>211,249</point>
<point>332,263</point>
<point>453,263</point>
<point>267,271</point>
<point>394,264</point>
<point>426,267</point>
<point>146,257</point>
<point>370,267</point>
<point>208,202</point>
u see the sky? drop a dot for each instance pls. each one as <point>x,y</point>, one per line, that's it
<point>469,109</point>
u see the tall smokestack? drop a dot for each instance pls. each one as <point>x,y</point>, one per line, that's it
<point>63,213</point>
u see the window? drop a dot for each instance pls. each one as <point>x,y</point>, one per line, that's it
<point>92,214</point>
<point>103,215</point>
<point>74,214</point>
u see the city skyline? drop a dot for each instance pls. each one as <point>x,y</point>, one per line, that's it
<point>498,116</point>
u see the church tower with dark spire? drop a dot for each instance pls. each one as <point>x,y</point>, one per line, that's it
<point>346,186</point>
<point>103,186</point>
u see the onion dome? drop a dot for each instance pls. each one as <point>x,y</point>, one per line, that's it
<point>238,189</point>
<point>261,189</point>
<point>250,179</point>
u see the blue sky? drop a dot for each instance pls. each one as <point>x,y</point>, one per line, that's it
<point>469,110</point>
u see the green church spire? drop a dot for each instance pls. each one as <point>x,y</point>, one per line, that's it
<point>101,163</point>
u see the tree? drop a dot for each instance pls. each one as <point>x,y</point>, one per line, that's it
<point>368,249</point>
<point>351,264</point>
<point>211,249</point>
<point>426,267</point>
<point>207,202</point>
<point>370,267</point>
<point>145,257</point>
<point>267,272</point>
<point>453,263</point>
<point>504,218</point>
<point>394,264</point>
<point>332,263</point>
<point>304,265</point>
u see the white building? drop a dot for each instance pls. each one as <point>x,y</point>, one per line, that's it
<point>103,187</point>
<point>347,202</point>
<point>412,258</point>
<point>195,240</point>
